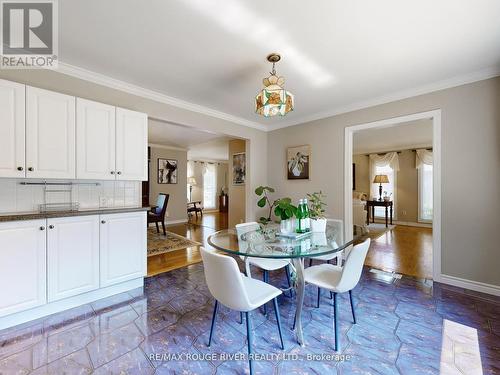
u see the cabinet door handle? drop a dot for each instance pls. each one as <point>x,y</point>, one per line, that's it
<point>103,221</point>
<point>30,169</point>
<point>51,226</point>
<point>20,168</point>
<point>119,172</point>
<point>42,228</point>
<point>112,172</point>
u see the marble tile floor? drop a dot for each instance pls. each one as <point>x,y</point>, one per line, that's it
<point>405,327</point>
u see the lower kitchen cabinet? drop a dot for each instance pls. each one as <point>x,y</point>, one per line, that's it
<point>123,247</point>
<point>22,265</point>
<point>72,256</point>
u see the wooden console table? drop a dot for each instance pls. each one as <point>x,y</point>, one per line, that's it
<point>370,208</point>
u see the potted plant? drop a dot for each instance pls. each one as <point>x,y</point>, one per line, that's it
<point>285,210</point>
<point>262,192</point>
<point>317,211</point>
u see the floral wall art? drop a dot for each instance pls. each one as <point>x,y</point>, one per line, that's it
<point>298,162</point>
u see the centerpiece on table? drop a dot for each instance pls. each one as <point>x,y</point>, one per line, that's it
<point>317,211</point>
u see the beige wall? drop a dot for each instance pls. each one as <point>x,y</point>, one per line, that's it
<point>362,173</point>
<point>407,184</point>
<point>177,201</point>
<point>256,158</point>
<point>470,142</point>
<point>236,192</point>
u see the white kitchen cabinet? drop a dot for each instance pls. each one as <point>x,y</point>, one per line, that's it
<point>131,145</point>
<point>50,134</point>
<point>95,140</point>
<point>12,100</point>
<point>72,256</point>
<point>22,265</point>
<point>123,247</point>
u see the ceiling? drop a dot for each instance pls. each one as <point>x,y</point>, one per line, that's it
<point>336,55</point>
<point>172,135</point>
<point>398,137</point>
<point>200,145</point>
<point>216,150</point>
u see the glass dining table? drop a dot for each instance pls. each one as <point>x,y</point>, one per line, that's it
<point>268,242</point>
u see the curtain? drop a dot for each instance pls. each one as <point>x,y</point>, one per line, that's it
<point>390,159</point>
<point>423,157</point>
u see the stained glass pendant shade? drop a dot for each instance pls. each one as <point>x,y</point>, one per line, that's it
<point>273,99</point>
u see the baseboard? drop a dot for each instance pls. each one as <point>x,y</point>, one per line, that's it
<point>68,303</point>
<point>177,221</point>
<point>469,284</point>
<point>405,223</point>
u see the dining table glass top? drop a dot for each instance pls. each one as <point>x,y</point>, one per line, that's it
<point>268,242</point>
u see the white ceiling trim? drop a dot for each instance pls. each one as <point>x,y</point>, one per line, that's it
<point>203,160</point>
<point>437,86</point>
<point>107,81</point>
<point>156,145</point>
<point>113,83</point>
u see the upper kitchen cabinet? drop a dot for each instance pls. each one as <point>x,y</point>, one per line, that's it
<point>50,134</point>
<point>95,140</point>
<point>11,129</point>
<point>131,145</point>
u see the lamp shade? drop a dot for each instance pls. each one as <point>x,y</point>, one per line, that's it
<point>381,179</point>
<point>191,181</point>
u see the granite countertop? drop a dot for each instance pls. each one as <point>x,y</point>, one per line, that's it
<point>17,216</point>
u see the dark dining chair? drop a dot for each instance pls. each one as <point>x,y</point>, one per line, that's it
<point>157,213</point>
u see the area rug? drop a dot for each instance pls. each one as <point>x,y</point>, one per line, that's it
<point>375,231</point>
<point>160,244</point>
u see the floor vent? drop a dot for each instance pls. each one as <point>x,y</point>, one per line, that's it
<point>385,276</point>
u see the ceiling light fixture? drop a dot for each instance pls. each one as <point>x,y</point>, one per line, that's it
<point>273,99</point>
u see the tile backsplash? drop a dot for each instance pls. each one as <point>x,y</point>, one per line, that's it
<point>15,197</point>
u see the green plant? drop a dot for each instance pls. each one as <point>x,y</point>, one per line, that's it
<point>285,209</point>
<point>316,205</point>
<point>262,192</point>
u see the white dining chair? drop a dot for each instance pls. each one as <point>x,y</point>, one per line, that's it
<point>338,255</point>
<point>339,279</point>
<point>238,292</point>
<point>266,264</point>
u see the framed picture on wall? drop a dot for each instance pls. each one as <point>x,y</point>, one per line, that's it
<point>353,176</point>
<point>239,168</point>
<point>298,162</point>
<point>167,171</point>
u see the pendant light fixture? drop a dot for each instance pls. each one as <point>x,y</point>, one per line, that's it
<point>273,99</point>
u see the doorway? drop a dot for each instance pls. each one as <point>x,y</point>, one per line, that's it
<point>405,232</point>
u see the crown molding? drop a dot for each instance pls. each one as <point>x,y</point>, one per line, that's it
<point>404,94</point>
<point>166,147</point>
<point>113,83</point>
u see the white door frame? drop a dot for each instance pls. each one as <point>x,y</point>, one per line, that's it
<point>435,116</point>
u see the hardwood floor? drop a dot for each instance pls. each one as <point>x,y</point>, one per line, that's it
<point>403,249</point>
<point>197,229</point>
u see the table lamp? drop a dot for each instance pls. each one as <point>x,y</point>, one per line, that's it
<point>380,179</point>
<point>191,182</point>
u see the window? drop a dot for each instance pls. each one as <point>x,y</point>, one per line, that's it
<point>425,193</point>
<point>390,188</point>
<point>209,186</point>
<point>190,172</point>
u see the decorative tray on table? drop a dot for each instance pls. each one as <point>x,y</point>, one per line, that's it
<point>293,235</point>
